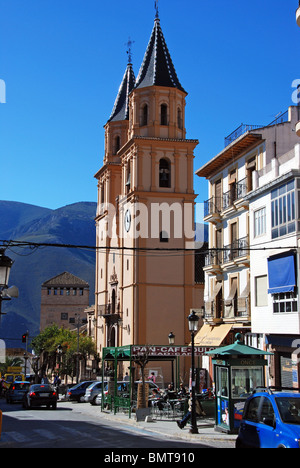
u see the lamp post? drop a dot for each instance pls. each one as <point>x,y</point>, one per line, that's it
<point>171,343</point>
<point>193,327</point>
<point>5,267</point>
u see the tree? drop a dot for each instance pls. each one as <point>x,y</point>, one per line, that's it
<point>51,339</point>
<point>142,361</point>
<point>10,362</point>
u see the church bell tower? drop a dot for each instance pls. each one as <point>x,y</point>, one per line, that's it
<point>145,278</point>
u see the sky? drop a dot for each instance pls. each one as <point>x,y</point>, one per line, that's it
<point>62,62</point>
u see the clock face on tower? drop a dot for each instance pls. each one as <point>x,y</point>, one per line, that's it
<point>127,221</point>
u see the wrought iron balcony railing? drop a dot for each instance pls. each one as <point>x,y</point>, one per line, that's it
<point>238,248</point>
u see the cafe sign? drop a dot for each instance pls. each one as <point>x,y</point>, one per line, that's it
<point>168,351</point>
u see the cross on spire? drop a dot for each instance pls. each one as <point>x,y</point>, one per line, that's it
<point>129,49</point>
<point>156,9</point>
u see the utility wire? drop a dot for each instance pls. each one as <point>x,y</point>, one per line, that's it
<point>34,245</point>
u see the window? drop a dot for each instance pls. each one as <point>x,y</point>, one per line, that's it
<point>245,380</point>
<point>179,119</point>
<point>283,210</point>
<point>64,316</point>
<point>128,178</point>
<point>260,222</point>
<point>144,116</point>
<point>164,114</point>
<point>252,410</point>
<point>267,411</point>
<point>117,144</point>
<point>164,173</point>
<point>261,291</point>
<point>164,237</point>
<point>250,168</point>
<point>285,302</point>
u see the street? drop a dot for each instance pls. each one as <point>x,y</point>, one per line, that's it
<point>79,425</point>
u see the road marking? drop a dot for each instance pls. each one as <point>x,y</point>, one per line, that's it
<point>47,434</point>
<point>16,436</point>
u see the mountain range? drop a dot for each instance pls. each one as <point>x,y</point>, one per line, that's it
<point>73,224</point>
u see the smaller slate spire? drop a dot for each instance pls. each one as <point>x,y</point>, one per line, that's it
<point>121,107</point>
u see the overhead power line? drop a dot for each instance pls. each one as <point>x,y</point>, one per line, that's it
<point>36,245</point>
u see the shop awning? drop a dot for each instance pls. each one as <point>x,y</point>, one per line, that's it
<point>282,273</point>
<point>212,336</point>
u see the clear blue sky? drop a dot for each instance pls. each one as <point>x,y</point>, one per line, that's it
<point>63,61</point>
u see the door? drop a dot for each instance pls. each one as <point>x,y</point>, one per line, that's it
<point>223,415</point>
<point>249,433</point>
<point>218,196</point>
<point>267,433</point>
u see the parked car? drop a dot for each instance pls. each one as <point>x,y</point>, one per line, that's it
<point>92,392</point>
<point>270,420</point>
<point>16,392</point>
<point>40,395</point>
<point>77,392</point>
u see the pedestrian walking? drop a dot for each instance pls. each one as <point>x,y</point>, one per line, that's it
<point>199,412</point>
<point>45,380</point>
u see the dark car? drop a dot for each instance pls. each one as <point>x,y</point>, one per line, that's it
<point>270,420</point>
<point>77,392</point>
<point>40,395</point>
<point>16,392</point>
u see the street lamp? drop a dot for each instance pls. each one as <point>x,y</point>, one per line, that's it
<point>171,339</point>
<point>193,328</point>
<point>5,267</point>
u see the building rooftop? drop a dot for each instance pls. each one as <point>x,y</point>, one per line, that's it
<point>65,280</point>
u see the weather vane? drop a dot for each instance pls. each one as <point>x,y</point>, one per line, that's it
<point>129,49</point>
<point>156,8</point>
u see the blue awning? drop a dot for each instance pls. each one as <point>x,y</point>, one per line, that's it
<point>282,273</point>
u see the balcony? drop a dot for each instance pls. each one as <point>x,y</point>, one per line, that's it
<point>236,253</point>
<point>238,311</point>
<point>212,210</point>
<point>213,262</point>
<point>215,208</point>
<point>243,128</point>
<point>109,313</point>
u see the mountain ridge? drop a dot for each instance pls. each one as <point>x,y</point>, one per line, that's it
<point>72,224</point>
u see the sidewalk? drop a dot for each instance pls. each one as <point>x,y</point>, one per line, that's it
<point>169,428</point>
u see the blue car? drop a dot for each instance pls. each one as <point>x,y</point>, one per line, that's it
<point>77,392</point>
<point>16,392</point>
<point>270,420</point>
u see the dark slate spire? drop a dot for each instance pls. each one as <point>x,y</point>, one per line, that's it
<point>120,110</point>
<point>157,68</point>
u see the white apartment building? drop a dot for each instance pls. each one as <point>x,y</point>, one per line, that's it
<point>241,179</point>
<point>274,206</point>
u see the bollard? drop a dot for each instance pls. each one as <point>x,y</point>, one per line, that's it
<point>0,423</point>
